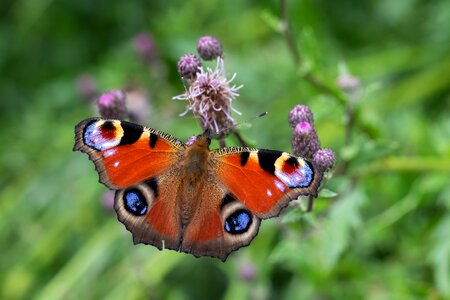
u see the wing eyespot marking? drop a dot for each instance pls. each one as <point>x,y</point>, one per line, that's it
<point>238,222</point>
<point>134,202</point>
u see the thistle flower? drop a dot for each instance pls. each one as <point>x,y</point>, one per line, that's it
<point>209,47</point>
<point>108,201</point>
<point>305,141</point>
<point>144,45</point>
<point>247,271</point>
<point>300,113</point>
<point>347,82</point>
<point>324,158</point>
<point>191,140</point>
<point>112,105</point>
<point>138,104</point>
<point>210,98</point>
<point>189,65</point>
<point>86,86</point>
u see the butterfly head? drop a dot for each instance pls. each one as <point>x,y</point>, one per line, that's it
<point>204,139</point>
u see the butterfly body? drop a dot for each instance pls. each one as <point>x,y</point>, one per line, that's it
<point>187,197</point>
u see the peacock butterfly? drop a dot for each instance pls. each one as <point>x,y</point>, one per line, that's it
<point>186,197</point>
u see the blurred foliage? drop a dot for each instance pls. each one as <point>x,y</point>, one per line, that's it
<point>384,236</point>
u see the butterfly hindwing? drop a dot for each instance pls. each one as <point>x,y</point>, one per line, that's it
<point>122,151</point>
<point>266,180</point>
<point>220,225</point>
<point>149,210</point>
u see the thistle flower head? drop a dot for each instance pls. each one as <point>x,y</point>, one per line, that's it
<point>112,105</point>
<point>247,270</point>
<point>138,104</point>
<point>209,47</point>
<point>210,98</point>
<point>144,45</point>
<point>305,141</point>
<point>347,82</point>
<point>86,86</point>
<point>324,158</point>
<point>300,113</point>
<point>188,65</point>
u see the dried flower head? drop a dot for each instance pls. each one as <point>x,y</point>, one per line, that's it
<point>324,158</point>
<point>112,105</point>
<point>305,141</point>
<point>210,98</point>
<point>300,113</point>
<point>189,65</point>
<point>209,47</point>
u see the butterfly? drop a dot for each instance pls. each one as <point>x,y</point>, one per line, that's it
<point>186,197</point>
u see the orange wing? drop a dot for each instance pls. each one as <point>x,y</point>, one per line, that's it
<point>125,153</point>
<point>265,180</point>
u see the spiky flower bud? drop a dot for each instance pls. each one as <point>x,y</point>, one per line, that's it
<point>188,65</point>
<point>144,45</point>
<point>300,113</point>
<point>112,105</point>
<point>305,141</point>
<point>209,47</point>
<point>324,158</point>
<point>210,98</point>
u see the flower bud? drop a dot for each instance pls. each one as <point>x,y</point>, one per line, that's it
<point>112,105</point>
<point>144,45</point>
<point>324,158</point>
<point>209,47</point>
<point>305,141</point>
<point>300,113</point>
<point>188,65</point>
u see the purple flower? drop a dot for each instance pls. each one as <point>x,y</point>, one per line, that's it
<point>112,105</point>
<point>305,141</point>
<point>324,158</point>
<point>144,45</point>
<point>189,65</point>
<point>191,140</point>
<point>347,82</point>
<point>247,271</point>
<point>108,200</point>
<point>209,47</point>
<point>86,86</point>
<point>210,98</point>
<point>300,113</point>
<point>138,105</point>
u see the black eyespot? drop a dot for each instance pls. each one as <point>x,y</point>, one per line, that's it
<point>135,202</point>
<point>238,222</point>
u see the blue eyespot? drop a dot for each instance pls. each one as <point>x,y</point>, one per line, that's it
<point>238,222</point>
<point>135,202</point>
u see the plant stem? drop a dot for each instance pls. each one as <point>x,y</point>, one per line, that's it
<point>240,138</point>
<point>293,49</point>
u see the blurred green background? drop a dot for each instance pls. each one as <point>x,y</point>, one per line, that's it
<point>385,235</point>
